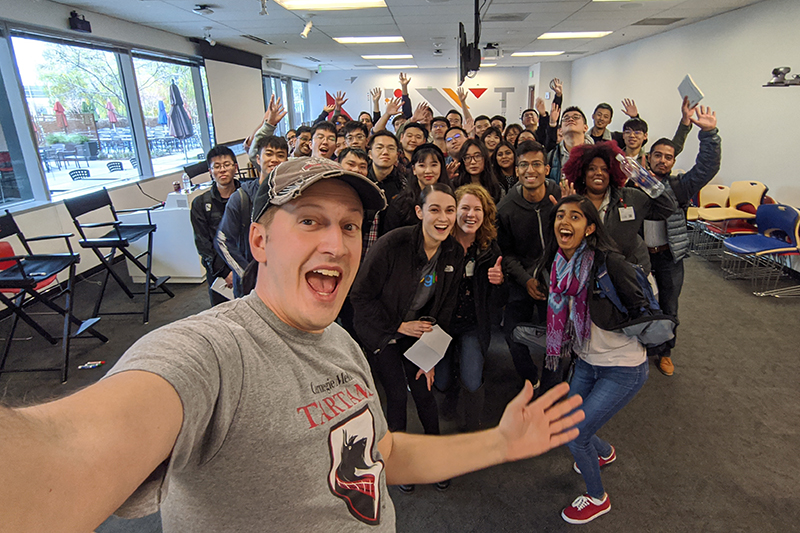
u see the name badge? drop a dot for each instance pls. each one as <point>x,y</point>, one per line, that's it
<point>626,213</point>
<point>448,268</point>
<point>469,268</point>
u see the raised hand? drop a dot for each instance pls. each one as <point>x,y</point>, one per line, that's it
<point>540,106</point>
<point>555,114</point>
<point>394,106</point>
<point>428,376</point>
<point>686,111</point>
<point>340,99</point>
<point>328,108</point>
<point>558,87</point>
<point>530,429</point>
<point>462,94</point>
<point>629,108</point>
<point>419,111</point>
<point>275,111</point>
<point>469,126</point>
<point>496,272</point>
<point>452,169</point>
<point>567,188</point>
<point>404,81</point>
<point>706,119</point>
<point>375,94</point>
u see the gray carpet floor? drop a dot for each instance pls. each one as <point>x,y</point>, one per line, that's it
<point>712,448</point>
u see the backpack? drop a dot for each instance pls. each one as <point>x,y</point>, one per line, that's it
<point>652,327</point>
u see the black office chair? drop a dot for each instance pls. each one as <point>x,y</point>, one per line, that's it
<point>22,277</point>
<point>118,238</point>
<point>114,166</point>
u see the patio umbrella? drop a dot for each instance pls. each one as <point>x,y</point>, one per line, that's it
<point>180,125</point>
<point>162,114</point>
<point>112,114</point>
<point>61,116</point>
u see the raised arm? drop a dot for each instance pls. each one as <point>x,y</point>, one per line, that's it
<point>684,126</point>
<point>462,94</point>
<point>392,108</point>
<point>404,81</point>
<point>67,465</point>
<point>273,117</point>
<point>525,430</point>
<point>375,94</point>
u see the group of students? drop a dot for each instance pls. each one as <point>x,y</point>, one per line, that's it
<point>486,225</point>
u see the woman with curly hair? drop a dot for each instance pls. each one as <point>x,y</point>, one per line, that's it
<point>593,171</point>
<point>474,166</point>
<point>478,301</point>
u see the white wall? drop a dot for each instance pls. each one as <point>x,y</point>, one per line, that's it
<point>431,83</point>
<point>730,57</point>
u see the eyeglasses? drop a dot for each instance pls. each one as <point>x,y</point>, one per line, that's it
<point>571,118</point>
<point>454,137</point>
<point>223,166</point>
<point>473,158</point>
<point>359,137</point>
<point>633,132</point>
<point>329,138</point>
<point>536,165</point>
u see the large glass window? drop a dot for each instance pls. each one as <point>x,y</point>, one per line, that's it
<point>301,114</point>
<point>172,123</point>
<point>77,104</point>
<point>14,184</point>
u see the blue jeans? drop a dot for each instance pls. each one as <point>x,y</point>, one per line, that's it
<point>470,363</point>
<point>605,390</point>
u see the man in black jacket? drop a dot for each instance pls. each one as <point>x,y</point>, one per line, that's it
<point>206,214</point>
<point>667,240</point>
<point>522,217</point>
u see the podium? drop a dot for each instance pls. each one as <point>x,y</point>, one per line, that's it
<point>174,252</point>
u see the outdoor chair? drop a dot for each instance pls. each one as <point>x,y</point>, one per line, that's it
<point>114,166</point>
<point>134,162</point>
<point>23,277</point>
<point>70,152</point>
<point>83,174</point>
<point>119,237</point>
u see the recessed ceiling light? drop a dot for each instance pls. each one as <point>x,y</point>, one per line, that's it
<point>574,34</point>
<point>484,65</point>
<point>368,40</point>
<point>404,67</point>
<point>395,56</point>
<point>329,5</point>
<point>532,54</point>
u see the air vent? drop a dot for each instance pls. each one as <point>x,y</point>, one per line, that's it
<point>576,53</point>
<point>364,66</point>
<point>314,59</point>
<point>506,17</point>
<point>256,39</point>
<point>656,21</point>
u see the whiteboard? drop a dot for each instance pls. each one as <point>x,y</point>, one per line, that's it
<point>237,99</point>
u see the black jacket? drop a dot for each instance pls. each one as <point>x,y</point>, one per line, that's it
<point>206,214</point>
<point>627,234</point>
<point>522,231</point>
<point>601,310</point>
<point>387,281</point>
<point>391,186</point>
<point>488,297</point>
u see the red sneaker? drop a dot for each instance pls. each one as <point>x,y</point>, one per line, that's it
<point>584,509</point>
<point>603,460</point>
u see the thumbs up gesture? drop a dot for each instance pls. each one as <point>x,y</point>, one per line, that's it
<point>496,272</point>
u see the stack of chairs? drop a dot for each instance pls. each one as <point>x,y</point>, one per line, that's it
<point>711,195</point>
<point>719,223</point>
<point>764,257</point>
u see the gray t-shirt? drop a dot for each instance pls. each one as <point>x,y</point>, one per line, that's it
<point>280,427</point>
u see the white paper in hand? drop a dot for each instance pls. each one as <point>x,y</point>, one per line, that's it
<point>689,89</point>
<point>220,287</point>
<point>429,349</point>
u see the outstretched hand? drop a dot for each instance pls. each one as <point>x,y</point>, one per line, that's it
<point>706,119</point>
<point>275,111</point>
<point>555,114</point>
<point>541,108</point>
<point>452,169</point>
<point>629,108</point>
<point>375,94</point>
<point>340,99</point>
<point>530,429</point>
<point>496,272</point>
<point>558,87</point>
<point>404,81</point>
<point>462,94</point>
<point>328,108</point>
<point>428,376</point>
<point>686,111</point>
<point>419,112</point>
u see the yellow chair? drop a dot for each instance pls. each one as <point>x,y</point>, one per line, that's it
<point>744,199</point>
<point>710,196</point>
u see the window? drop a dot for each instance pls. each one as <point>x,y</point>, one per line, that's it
<point>170,109</point>
<point>79,114</point>
<point>301,114</point>
<point>14,184</point>
<point>294,97</point>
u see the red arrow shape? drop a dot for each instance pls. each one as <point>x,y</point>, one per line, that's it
<point>477,92</point>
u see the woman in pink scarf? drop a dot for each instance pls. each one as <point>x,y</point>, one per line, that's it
<point>611,367</point>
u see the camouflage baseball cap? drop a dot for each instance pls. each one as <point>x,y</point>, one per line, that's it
<point>288,180</point>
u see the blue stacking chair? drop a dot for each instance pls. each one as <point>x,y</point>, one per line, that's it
<point>764,257</point>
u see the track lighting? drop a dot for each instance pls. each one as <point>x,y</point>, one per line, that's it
<point>207,36</point>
